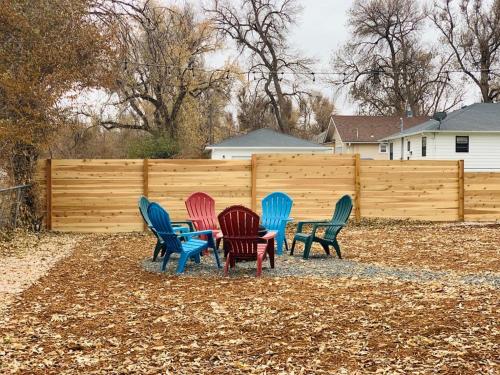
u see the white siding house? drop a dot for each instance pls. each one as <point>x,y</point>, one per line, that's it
<point>471,134</point>
<point>263,141</point>
<point>362,134</point>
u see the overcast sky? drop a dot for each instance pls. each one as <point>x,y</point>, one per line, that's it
<point>320,30</point>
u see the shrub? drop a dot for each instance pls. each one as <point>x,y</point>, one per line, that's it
<point>150,147</point>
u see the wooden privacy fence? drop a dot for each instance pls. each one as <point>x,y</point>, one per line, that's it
<point>101,195</point>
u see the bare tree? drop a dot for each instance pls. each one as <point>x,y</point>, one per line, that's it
<point>260,28</point>
<point>161,67</point>
<point>315,113</point>
<point>254,111</point>
<point>472,32</point>
<point>385,65</point>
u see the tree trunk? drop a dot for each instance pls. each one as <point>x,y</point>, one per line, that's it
<point>485,85</point>
<point>281,116</point>
<point>23,167</point>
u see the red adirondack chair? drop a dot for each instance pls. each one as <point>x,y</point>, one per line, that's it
<point>201,210</point>
<point>240,227</point>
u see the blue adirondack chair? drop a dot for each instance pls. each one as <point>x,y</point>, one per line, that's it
<point>190,248</point>
<point>143,209</point>
<point>276,209</point>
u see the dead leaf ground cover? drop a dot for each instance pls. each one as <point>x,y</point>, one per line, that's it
<point>98,311</point>
<point>445,247</point>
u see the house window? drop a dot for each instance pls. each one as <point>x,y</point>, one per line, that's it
<point>382,147</point>
<point>391,151</point>
<point>424,146</point>
<point>462,143</point>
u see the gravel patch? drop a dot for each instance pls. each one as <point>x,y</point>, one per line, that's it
<point>321,266</point>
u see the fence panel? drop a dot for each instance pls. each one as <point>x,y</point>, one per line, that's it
<point>482,196</point>
<point>419,190</point>
<point>101,195</point>
<point>96,195</point>
<point>170,182</point>
<point>315,182</point>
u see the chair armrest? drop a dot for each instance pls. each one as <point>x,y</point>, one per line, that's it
<point>269,235</point>
<point>198,233</point>
<point>189,223</point>
<point>300,224</point>
<point>327,225</point>
<point>207,233</point>
<point>330,225</point>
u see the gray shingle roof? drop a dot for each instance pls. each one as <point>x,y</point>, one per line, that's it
<point>476,117</point>
<point>266,138</point>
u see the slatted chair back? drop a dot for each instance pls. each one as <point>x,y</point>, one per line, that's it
<point>143,209</point>
<point>201,210</point>
<point>342,212</point>
<point>240,227</point>
<point>275,208</point>
<point>160,221</point>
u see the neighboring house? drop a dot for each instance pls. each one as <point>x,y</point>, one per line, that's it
<point>362,134</point>
<point>263,141</point>
<point>471,134</point>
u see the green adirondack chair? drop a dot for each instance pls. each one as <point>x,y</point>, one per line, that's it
<point>332,227</point>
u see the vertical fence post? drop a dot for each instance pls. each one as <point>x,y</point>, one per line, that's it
<point>461,191</point>
<point>357,189</point>
<point>48,188</point>
<point>145,185</point>
<point>254,182</point>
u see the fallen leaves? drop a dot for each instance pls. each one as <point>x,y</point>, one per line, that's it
<point>105,314</point>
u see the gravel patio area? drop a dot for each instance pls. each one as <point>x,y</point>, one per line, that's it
<point>408,298</point>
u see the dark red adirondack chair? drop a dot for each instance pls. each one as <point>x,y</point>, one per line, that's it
<point>240,228</point>
<point>201,210</point>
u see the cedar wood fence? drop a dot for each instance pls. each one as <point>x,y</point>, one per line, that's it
<point>101,195</point>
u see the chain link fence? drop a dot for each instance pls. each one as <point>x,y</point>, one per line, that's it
<point>10,201</point>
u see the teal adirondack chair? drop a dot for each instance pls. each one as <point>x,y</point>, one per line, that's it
<point>143,209</point>
<point>276,209</point>
<point>190,248</point>
<point>332,227</point>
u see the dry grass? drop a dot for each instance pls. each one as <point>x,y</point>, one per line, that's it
<point>98,311</point>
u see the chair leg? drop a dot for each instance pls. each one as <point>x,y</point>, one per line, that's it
<point>182,262</point>
<point>226,266</point>
<point>270,251</point>
<point>217,243</point>
<point>337,248</point>
<point>197,258</point>
<point>326,248</point>
<point>307,248</point>
<point>259,265</point>
<point>279,245</point>
<point>293,246</point>
<point>216,255</point>
<point>165,261</point>
<point>286,244</point>
<point>156,251</point>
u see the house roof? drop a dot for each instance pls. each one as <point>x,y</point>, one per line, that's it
<point>266,138</point>
<point>479,117</point>
<point>368,129</point>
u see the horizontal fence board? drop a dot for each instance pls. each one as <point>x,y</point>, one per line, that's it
<point>304,178</point>
<point>482,196</point>
<point>172,181</point>
<point>96,195</point>
<point>419,190</point>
